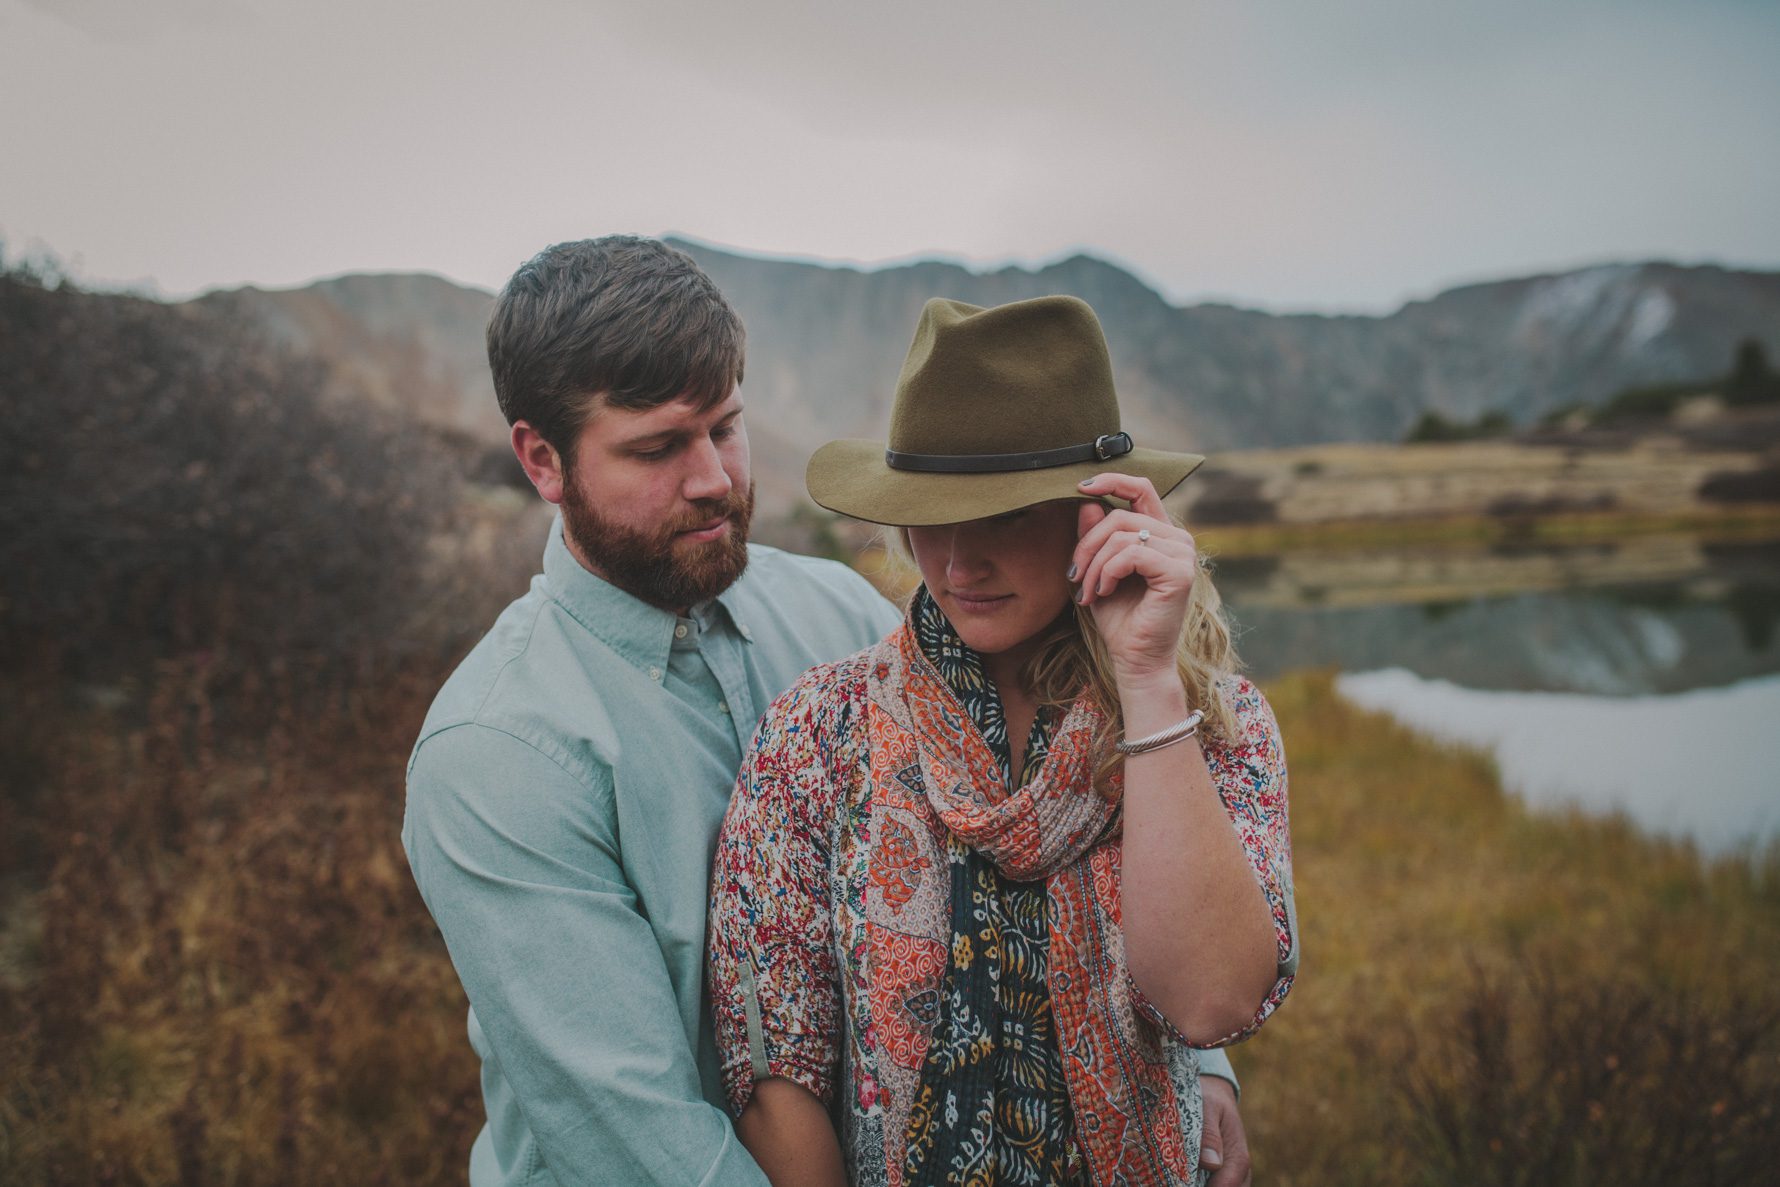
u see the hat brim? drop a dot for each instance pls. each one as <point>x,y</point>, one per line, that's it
<point>851,477</point>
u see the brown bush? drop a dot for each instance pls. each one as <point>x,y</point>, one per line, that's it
<point>223,610</point>
<point>171,483</point>
<point>1548,1077</point>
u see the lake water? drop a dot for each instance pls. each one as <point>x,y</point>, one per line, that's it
<point>1641,677</point>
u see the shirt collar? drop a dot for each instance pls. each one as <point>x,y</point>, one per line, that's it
<point>640,633</point>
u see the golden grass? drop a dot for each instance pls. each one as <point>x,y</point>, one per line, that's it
<point>221,972</point>
<point>1417,879</point>
<point>229,976</point>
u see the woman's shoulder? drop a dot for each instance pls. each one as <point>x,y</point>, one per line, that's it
<point>820,702</point>
<point>830,683</point>
<point>804,751</point>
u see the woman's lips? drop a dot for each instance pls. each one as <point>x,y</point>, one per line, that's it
<point>978,603</point>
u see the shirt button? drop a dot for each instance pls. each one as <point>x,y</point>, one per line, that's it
<point>655,674</point>
<point>680,631</point>
<point>746,633</point>
<point>723,706</point>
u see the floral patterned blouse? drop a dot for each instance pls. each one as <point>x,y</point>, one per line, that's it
<point>789,939</point>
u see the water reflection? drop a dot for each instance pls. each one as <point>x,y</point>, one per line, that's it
<point>1640,676</point>
<point>1661,614</point>
<point>1702,764</point>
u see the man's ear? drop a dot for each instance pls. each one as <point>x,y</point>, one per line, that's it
<point>543,465</point>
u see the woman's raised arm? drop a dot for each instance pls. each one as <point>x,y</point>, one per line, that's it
<point>1204,900</point>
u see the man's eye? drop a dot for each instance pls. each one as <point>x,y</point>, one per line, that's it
<point>654,455</point>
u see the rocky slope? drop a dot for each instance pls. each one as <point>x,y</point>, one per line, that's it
<point>825,345</point>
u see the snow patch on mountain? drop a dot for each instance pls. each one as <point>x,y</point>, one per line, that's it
<point>1653,314</point>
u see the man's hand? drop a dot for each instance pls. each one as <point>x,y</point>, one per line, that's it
<point>1224,1147</point>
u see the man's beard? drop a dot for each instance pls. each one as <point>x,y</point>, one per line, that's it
<point>650,565</point>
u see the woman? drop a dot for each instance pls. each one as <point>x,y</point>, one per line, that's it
<point>984,887</point>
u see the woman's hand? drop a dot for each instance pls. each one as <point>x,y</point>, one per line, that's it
<point>1136,586</point>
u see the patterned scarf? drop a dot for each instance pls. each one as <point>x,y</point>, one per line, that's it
<point>998,990</point>
<point>992,1106</point>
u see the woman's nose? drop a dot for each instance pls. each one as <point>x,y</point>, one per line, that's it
<point>966,559</point>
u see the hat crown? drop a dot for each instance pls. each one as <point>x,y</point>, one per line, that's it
<point>1033,375</point>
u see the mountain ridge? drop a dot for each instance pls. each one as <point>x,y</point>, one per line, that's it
<point>825,343</point>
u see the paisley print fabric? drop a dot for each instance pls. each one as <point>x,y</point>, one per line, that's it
<point>832,929</point>
<point>992,1106</point>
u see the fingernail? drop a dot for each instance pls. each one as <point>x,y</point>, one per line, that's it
<point>1087,482</point>
<point>1081,595</point>
<point>1211,1158</point>
<point>1070,576</point>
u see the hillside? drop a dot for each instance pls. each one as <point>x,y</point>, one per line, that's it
<point>412,343</point>
<point>825,345</point>
<point>1709,465</point>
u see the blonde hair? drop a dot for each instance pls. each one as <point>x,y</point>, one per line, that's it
<point>1072,661</point>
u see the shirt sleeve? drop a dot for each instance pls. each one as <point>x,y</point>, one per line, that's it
<point>885,615</point>
<point>773,979</point>
<point>1249,772</point>
<point>518,861</point>
<point>876,615</point>
<point>1216,1062</point>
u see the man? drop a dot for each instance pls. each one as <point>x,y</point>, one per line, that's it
<point>566,789</point>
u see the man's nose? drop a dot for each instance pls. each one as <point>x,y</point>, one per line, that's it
<point>706,478</point>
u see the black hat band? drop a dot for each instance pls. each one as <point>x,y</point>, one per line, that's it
<point>1102,448</point>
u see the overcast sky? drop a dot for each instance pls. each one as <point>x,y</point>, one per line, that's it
<point>1311,154</point>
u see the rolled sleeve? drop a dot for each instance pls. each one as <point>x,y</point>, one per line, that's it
<point>772,977</point>
<point>517,858</point>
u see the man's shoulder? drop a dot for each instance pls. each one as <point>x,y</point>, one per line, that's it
<point>810,609</point>
<point>813,582</point>
<point>518,680</point>
<point>773,568</point>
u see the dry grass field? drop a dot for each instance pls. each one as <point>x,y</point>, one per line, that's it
<point>218,970</point>
<point>1493,996</point>
<point>1674,472</point>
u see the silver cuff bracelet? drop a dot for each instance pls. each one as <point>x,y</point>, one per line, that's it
<point>1177,732</point>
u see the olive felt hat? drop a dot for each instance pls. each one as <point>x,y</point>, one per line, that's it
<point>996,409</point>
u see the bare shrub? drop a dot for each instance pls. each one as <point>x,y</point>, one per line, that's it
<point>224,607</point>
<point>1551,1076</point>
<point>170,483</point>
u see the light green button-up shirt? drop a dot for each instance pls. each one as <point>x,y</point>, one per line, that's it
<point>563,804</point>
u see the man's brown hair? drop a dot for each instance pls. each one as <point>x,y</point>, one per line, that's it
<point>623,319</point>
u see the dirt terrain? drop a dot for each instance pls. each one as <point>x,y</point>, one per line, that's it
<point>1703,465</point>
